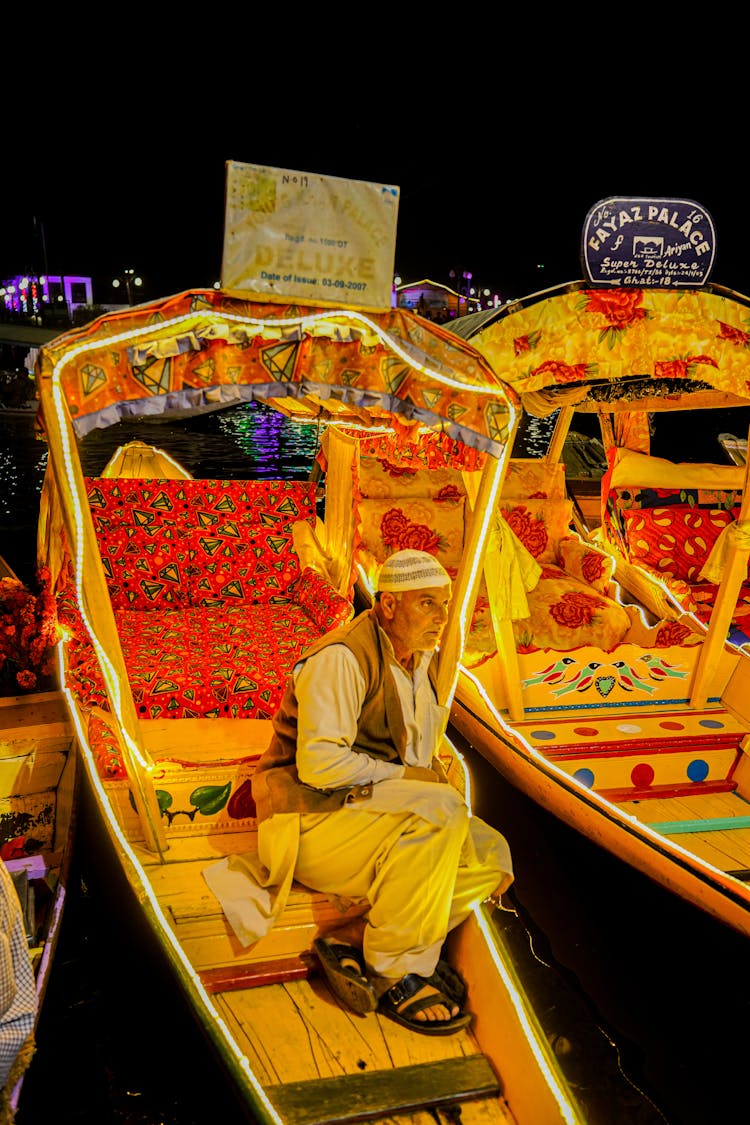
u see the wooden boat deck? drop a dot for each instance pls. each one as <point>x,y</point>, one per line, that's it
<point>713,826</point>
<point>316,1061</point>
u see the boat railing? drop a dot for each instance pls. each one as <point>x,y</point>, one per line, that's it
<point>65,511</point>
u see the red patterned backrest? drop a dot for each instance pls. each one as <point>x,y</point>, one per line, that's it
<point>144,540</point>
<point>242,539</point>
<point>168,544</point>
<point>676,540</point>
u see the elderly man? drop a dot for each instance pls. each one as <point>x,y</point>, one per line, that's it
<point>349,794</point>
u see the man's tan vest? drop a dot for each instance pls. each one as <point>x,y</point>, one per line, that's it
<point>380,730</point>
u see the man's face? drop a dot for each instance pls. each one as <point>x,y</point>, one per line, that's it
<point>417,617</point>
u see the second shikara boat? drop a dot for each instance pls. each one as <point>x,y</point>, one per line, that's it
<point>186,601</point>
<point>618,695</point>
<point>38,818</point>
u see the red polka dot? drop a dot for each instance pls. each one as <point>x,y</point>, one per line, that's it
<point>642,775</point>
<point>670,725</point>
<point>585,732</point>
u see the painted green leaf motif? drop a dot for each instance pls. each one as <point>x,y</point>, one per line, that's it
<point>164,799</point>
<point>210,799</point>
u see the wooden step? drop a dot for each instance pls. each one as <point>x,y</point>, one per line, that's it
<point>662,753</point>
<point>359,1097</point>
<point>226,978</point>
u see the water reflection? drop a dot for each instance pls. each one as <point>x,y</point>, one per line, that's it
<point>245,441</point>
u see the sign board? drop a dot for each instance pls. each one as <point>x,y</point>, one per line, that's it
<point>297,234</point>
<point>648,243</point>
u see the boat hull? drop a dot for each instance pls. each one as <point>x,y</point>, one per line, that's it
<point>605,823</point>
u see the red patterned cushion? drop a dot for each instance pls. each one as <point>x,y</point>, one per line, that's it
<point>143,539</point>
<point>242,547</point>
<point>325,606</point>
<point>674,541</point>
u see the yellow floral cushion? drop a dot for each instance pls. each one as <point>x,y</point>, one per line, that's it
<point>585,563</point>
<point>533,478</point>
<point>424,525</point>
<point>565,614</point>
<point>539,524</point>
<point>380,479</point>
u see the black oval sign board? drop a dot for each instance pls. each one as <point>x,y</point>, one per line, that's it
<point>648,243</point>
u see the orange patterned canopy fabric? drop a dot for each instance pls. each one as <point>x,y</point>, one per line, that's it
<point>212,346</point>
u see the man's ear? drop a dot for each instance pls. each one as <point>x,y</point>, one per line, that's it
<point>388,604</point>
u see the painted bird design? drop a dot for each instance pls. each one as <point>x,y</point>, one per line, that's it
<point>628,680</point>
<point>581,681</point>
<point>552,674</point>
<point>659,669</point>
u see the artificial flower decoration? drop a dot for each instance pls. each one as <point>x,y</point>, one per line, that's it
<point>28,633</point>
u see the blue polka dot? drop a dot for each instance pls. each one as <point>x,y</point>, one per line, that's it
<point>586,777</point>
<point>714,724</point>
<point>542,735</point>
<point>697,770</point>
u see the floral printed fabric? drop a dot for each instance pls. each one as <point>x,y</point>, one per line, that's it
<point>539,525</point>
<point>421,524</point>
<point>565,614</point>
<point>603,335</point>
<point>580,561</point>
<point>382,479</point>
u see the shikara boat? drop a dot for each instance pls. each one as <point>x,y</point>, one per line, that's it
<point>734,447</point>
<point>618,693</point>
<point>186,601</point>
<point>38,806</point>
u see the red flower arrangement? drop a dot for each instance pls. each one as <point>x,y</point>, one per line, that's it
<point>28,633</point>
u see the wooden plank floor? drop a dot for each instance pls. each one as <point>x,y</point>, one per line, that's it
<point>726,848</point>
<point>296,1030</point>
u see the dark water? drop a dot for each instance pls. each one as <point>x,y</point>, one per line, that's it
<point>654,993</point>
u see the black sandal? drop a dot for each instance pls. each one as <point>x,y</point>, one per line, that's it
<point>407,987</point>
<point>350,985</point>
<point>450,982</point>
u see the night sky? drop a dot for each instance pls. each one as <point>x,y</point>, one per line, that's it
<point>498,165</point>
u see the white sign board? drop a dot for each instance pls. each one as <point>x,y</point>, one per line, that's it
<point>298,234</point>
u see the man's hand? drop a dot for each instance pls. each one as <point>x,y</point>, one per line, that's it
<point>420,773</point>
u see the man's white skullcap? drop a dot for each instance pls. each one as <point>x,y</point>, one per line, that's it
<point>411,570</point>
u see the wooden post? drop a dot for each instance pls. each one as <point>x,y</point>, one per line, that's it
<point>467,580</point>
<point>72,496</point>
<point>557,441</point>
<point>724,607</point>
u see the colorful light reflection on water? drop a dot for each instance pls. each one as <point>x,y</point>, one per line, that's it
<point>246,441</point>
